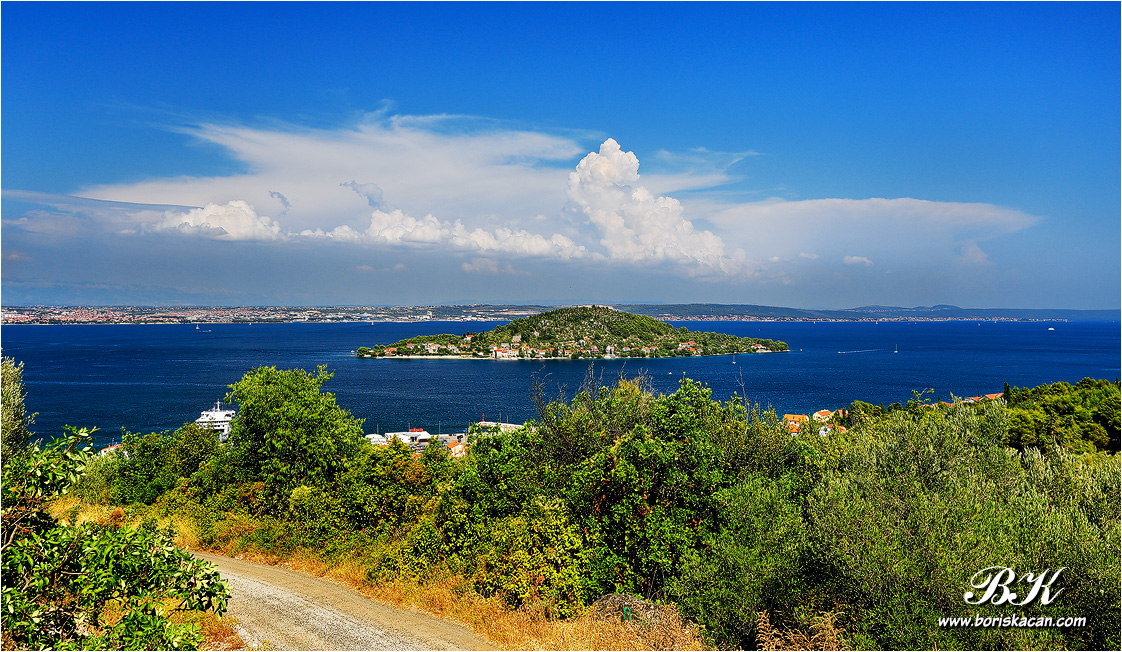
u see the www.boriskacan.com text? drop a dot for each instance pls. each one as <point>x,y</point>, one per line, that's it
<point>1012,621</point>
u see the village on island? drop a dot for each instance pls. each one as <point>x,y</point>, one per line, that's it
<point>581,332</point>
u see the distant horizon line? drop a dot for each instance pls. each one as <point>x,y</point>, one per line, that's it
<point>941,306</point>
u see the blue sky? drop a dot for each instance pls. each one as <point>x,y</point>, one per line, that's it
<point>809,155</point>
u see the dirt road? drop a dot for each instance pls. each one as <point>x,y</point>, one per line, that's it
<point>284,610</point>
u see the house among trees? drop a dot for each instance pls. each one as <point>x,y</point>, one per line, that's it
<point>794,421</point>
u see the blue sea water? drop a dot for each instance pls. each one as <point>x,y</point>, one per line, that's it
<point>156,377</point>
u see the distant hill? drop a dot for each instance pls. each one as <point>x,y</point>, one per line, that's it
<point>702,311</point>
<point>583,332</point>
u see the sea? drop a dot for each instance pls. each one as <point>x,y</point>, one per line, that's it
<point>149,378</point>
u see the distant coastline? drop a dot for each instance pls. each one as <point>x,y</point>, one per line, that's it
<point>54,315</point>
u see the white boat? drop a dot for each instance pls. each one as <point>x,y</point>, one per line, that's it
<point>217,418</point>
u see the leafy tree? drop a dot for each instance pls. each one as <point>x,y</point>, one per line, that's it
<point>15,422</point>
<point>860,412</point>
<point>144,472</point>
<point>750,565</point>
<point>386,486</point>
<point>149,467</point>
<point>59,579</point>
<point>191,445</point>
<point>288,432</point>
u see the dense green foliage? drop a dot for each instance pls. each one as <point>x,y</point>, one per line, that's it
<point>289,432</point>
<point>575,323</point>
<point>711,505</point>
<point>443,339</point>
<point>90,586</point>
<point>147,466</point>
<point>1084,416</point>
<point>587,331</point>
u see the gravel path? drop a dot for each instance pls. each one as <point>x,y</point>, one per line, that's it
<point>284,610</point>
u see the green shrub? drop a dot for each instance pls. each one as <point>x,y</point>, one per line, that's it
<point>534,557</point>
<point>385,486</point>
<point>96,486</point>
<point>900,525</point>
<point>59,578</point>
<point>754,563</point>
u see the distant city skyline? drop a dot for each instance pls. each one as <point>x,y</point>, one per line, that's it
<point>818,156</point>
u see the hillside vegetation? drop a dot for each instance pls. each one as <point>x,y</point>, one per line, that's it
<point>1084,416</point>
<point>862,539</point>
<point>585,332</point>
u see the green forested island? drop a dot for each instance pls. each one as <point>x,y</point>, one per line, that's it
<point>584,332</point>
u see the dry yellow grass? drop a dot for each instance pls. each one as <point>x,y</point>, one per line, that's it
<point>528,628</point>
<point>186,533</point>
<point>218,632</point>
<point>62,505</point>
<point>824,634</point>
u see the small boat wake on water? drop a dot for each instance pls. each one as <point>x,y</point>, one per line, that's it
<point>862,351</point>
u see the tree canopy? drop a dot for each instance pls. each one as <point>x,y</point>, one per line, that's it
<point>289,432</point>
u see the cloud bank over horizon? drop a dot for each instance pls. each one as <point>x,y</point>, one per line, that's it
<point>489,201</point>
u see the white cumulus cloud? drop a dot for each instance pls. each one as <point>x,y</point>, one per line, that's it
<point>857,260</point>
<point>234,220</point>
<point>397,228</point>
<point>636,226</point>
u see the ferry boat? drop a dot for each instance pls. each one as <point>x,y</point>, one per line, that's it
<point>218,419</point>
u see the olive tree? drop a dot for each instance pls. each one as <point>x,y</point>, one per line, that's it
<point>15,422</point>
